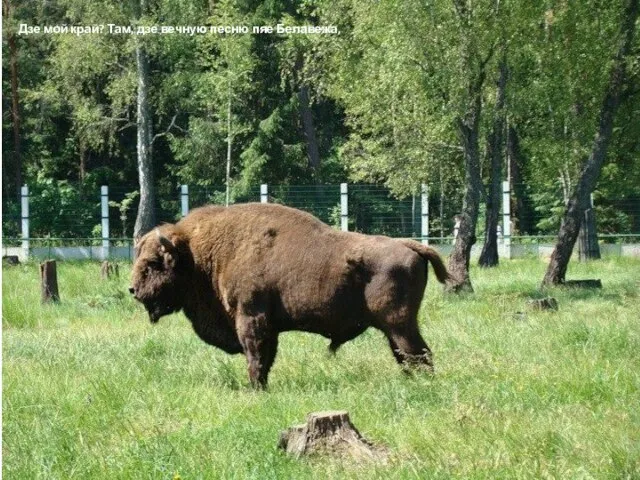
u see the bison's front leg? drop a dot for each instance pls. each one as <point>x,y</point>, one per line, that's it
<point>260,344</point>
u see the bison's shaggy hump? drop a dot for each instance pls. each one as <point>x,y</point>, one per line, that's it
<point>245,273</point>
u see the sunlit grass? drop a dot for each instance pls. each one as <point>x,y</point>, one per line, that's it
<point>92,390</point>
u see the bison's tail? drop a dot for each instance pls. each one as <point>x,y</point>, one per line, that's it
<point>431,256</point>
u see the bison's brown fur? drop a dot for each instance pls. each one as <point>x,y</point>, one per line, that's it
<point>245,273</point>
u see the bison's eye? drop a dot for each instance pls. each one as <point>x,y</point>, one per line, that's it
<point>153,265</point>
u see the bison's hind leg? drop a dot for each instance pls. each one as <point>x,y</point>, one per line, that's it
<point>260,344</point>
<point>409,348</point>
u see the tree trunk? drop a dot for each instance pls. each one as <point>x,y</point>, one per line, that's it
<point>580,199</point>
<point>313,153</point>
<point>468,126</point>
<point>460,257</point>
<point>489,255</point>
<point>83,162</point>
<point>441,206</point>
<point>520,209</point>
<point>146,218</point>
<point>15,100</point>
<point>229,145</point>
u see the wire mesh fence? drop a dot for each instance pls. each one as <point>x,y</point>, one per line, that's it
<point>67,214</point>
<point>539,213</point>
<point>11,226</point>
<point>70,212</point>
<point>375,210</point>
<point>217,195</point>
<point>323,201</point>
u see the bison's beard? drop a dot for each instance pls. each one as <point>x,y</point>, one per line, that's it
<point>156,311</point>
<point>154,316</point>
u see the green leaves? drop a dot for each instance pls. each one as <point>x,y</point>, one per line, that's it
<point>384,93</point>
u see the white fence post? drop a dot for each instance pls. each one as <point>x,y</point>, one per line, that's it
<point>425,214</point>
<point>104,201</point>
<point>506,218</point>
<point>344,207</point>
<point>24,202</point>
<point>184,200</point>
<point>264,193</point>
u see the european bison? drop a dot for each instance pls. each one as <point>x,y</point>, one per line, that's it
<point>244,273</point>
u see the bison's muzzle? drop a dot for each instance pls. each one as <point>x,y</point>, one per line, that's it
<point>155,311</point>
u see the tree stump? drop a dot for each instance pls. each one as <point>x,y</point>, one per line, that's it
<point>548,303</point>
<point>11,260</point>
<point>328,433</point>
<point>107,269</point>
<point>49,281</point>
<point>591,283</point>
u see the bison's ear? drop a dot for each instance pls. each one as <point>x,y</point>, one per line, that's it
<point>167,248</point>
<point>166,244</point>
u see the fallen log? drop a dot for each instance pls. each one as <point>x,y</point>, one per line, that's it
<point>591,283</point>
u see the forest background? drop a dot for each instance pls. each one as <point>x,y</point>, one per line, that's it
<point>396,94</point>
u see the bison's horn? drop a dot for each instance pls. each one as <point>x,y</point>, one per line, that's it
<point>165,242</point>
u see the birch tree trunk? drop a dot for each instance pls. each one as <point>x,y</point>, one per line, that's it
<point>579,201</point>
<point>146,218</point>
<point>229,145</point>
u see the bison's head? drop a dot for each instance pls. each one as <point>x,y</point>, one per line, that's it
<point>161,271</point>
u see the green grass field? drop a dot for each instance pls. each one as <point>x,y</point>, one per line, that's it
<point>92,390</point>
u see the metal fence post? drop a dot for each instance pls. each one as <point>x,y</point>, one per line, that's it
<point>425,214</point>
<point>264,193</point>
<point>184,199</point>
<point>24,202</point>
<point>344,207</point>
<point>104,201</point>
<point>506,218</point>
